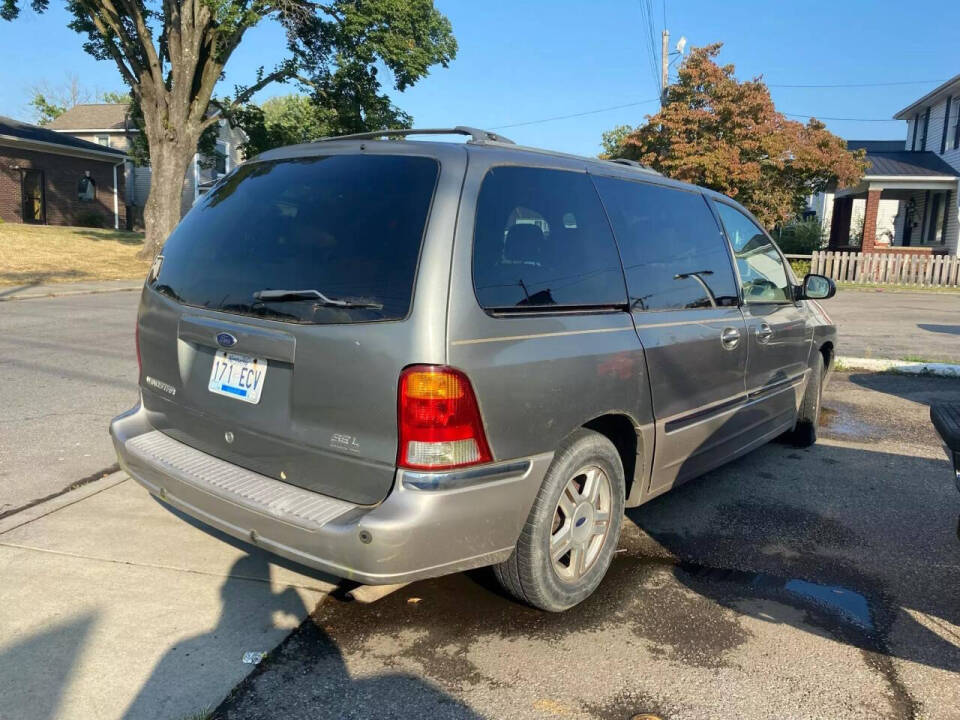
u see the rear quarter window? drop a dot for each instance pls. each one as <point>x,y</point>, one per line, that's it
<point>541,240</point>
<point>674,253</point>
<point>349,226</point>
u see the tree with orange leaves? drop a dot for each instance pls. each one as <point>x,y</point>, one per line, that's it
<point>715,131</point>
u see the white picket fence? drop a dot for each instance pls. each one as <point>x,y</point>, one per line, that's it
<point>888,268</point>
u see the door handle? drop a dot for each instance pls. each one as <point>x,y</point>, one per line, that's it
<point>729,338</point>
<point>764,333</point>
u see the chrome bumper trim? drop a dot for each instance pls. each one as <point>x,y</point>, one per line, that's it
<point>452,479</point>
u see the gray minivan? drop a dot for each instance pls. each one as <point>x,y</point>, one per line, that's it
<point>390,360</point>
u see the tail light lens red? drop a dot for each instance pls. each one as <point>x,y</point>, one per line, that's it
<point>439,420</point>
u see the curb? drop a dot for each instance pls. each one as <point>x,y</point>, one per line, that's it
<point>906,367</point>
<point>35,512</point>
<point>54,293</point>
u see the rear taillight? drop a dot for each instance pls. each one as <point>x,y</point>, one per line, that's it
<point>439,419</point>
<point>136,342</point>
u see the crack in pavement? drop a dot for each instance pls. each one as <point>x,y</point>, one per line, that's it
<point>98,475</point>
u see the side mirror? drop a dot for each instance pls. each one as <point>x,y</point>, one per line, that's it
<point>817,287</point>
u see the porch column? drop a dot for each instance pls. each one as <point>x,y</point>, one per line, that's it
<point>870,221</point>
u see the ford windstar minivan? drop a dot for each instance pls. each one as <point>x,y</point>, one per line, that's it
<point>390,360</point>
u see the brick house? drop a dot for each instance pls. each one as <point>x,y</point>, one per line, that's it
<point>908,200</point>
<point>109,124</point>
<point>49,178</point>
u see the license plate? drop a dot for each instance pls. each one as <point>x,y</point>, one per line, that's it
<point>238,376</point>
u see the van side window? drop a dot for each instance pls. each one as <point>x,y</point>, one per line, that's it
<point>673,252</point>
<point>541,238</point>
<point>762,274</point>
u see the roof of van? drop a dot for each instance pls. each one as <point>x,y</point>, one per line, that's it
<point>477,139</point>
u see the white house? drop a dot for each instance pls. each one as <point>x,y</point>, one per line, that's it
<point>109,124</point>
<point>908,200</point>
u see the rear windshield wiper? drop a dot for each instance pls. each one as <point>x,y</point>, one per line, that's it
<point>319,297</point>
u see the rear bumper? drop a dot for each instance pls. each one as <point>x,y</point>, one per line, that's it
<point>415,533</point>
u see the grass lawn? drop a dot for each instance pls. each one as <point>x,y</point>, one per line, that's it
<point>41,254</point>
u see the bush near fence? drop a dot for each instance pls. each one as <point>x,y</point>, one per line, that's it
<point>888,268</point>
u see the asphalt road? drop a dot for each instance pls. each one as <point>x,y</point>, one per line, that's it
<point>68,366</point>
<point>817,583</point>
<point>897,325</point>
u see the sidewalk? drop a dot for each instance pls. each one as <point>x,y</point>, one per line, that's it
<point>113,606</point>
<point>28,292</point>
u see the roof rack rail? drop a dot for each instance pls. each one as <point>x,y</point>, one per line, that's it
<point>632,163</point>
<point>625,161</point>
<point>476,135</point>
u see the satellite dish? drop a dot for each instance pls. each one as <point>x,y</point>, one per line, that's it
<point>681,44</point>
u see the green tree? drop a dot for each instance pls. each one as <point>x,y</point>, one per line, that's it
<point>45,109</point>
<point>284,120</point>
<point>172,53</point>
<point>715,131</point>
<point>612,142</point>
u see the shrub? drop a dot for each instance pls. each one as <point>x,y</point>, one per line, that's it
<point>801,237</point>
<point>90,219</point>
<point>800,268</point>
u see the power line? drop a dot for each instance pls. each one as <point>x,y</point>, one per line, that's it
<point>646,22</point>
<point>859,85</point>
<point>850,119</point>
<point>575,115</point>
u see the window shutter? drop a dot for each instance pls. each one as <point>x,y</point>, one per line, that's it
<point>956,130</point>
<point>946,125</point>
<point>926,127</point>
<point>916,125</point>
<point>946,216</point>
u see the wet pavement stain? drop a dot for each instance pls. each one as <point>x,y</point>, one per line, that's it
<point>627,705</point>
<point>842,420</point>
<point>694,621</point>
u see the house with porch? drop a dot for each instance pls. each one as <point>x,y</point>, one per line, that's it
<point>908,200</point>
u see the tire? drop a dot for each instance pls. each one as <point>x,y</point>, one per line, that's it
<point>804,433</point>
<point>585,461</point>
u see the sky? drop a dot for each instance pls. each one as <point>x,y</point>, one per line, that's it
<point>524,62</point>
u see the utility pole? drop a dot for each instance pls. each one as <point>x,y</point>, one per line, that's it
<point>664,66</point>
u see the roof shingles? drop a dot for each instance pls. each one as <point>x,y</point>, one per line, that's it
<point>104,116</point>
<point>35,133</point>
<point>885,161</point>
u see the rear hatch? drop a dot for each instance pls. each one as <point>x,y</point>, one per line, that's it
<point>271,328</point>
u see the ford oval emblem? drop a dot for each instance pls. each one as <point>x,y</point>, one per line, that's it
<point>226,340</point>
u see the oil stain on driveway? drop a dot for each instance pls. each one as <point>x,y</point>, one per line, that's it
<point>793,583</point>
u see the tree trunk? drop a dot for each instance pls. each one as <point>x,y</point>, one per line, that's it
<point>169,162</point>
<point>172,136</point>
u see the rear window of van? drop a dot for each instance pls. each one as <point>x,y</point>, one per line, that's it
<point>347,226</point>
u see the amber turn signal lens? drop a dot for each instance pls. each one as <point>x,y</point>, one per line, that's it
<point>430,385</point>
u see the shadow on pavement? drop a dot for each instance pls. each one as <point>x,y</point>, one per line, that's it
<point>35,672</point>
<point>947,329</point>
<point>246,593</point>
<point>334,693</point>
<point>860,540</point>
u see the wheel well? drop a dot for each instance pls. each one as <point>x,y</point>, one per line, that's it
<point>620,430</point>
<point>827,351</point>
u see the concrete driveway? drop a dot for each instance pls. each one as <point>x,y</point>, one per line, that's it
<point>815,583</point>
<point>897,325</point>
